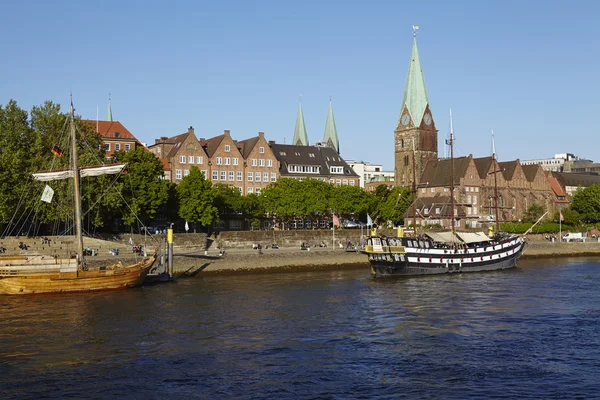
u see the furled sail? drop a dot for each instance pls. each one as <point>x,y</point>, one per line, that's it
<point>101,170</point>
<point>53,175</point>
<point>84,172</point>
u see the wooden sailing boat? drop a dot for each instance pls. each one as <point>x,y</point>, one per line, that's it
<point>26,274</point>
<point>443,252</point>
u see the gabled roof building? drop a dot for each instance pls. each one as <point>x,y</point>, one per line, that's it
<point>316,162</point>
<point>476,182</point>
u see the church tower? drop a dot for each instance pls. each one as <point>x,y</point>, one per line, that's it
<point>330,137</point>
<point>416,129</point>
<point>300,136</point>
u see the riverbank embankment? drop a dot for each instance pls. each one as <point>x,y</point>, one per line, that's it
<point>244,261</point>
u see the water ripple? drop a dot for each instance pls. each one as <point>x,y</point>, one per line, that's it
<point>532,332</point>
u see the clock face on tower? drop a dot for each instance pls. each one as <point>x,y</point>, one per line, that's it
<point>405,119</point>
<point>427,119</point>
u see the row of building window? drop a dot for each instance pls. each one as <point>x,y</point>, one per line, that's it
<point>127,147</point>
<point>261,149</point>
<point>224,161</point>
<point>467,189</point>
<point>232,175</point>
<point>332,181</point>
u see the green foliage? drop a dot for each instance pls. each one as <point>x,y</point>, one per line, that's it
<point>545,227</point>
<point>16,157</point>
<point>533,213</point>
<point>290,198</point>
<point>348,200</point>
<point>143,188</point>
<point>197,199</point>
<point>393,206</point>
<point>571,217</point>
<point>228,199</point>
<point>586,201</point>
<point>253,208</point>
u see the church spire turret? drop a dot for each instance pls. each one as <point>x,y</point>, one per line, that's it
<point>415,136</point>
<point>415,94</point>
<point>300,136</point>
<point>109,114</point>
<point>330,137</point>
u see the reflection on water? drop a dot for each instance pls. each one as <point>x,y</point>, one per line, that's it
<point>528,332</point>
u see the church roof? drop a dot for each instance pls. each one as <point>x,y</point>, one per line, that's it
<point>437,172</point>
<point>415,93</point>
<point>330,134</point>
<point>508,168</point>
<point>530,171</point>
<point>483,165</point>
<point>300,136</point>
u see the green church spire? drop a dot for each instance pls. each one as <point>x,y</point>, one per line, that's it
<point>300,136</point>
<point>109,115</point>
<point>415,94</point>
<point>331,137</point>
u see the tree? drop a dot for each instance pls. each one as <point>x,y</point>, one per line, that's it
<point>283,199</point>
<point>253,208</point>
<point>533,213</point>
<point>570,217</point>
<point>16,157</point>
<point>228,199</point>
<point>393,207</point>
<point>196,199</point>
<point>143,188</point>
<point>586,201</point>
<point>348,200</point>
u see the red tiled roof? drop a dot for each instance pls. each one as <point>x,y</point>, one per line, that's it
<point>165,163</point>
<point>107,129</point>
<point>556,187</point>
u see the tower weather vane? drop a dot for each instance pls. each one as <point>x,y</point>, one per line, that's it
<point>415,29</point>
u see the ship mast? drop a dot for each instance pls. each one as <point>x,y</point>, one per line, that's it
<point>414,189</point>
<point>450,142</point>
<point>76,190</point>
<point>495,183</point>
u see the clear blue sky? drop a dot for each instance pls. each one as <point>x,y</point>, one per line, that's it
<point>527,69</point>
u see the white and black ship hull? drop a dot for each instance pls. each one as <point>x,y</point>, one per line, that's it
<point>400,258</point>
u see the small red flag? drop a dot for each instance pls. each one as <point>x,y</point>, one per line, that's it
<point>57,151</point>
<point>561,216</point>
<point>336,220</point>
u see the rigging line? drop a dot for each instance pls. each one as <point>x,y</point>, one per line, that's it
<point>103,194</point>
<point>12,223</point>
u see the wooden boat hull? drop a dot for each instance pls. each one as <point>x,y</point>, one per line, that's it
<point>412,262</point>
<point>15,279</point>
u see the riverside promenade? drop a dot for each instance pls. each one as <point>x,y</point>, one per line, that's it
<point>193,258</point>
<point>287,259</point>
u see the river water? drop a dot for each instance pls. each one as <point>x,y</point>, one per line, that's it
<point>530,332</point>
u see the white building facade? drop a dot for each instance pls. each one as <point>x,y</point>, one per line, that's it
<point>366,171</point>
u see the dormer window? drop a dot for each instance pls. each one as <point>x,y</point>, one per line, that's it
<point>117,135</point>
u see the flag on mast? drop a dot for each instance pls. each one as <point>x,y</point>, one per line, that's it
<point>336,220</point>
<point>57,151</point>
<point>187,227</point>
<point>369,220</point>
<point>561,216</point>
<point>47,194</point>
